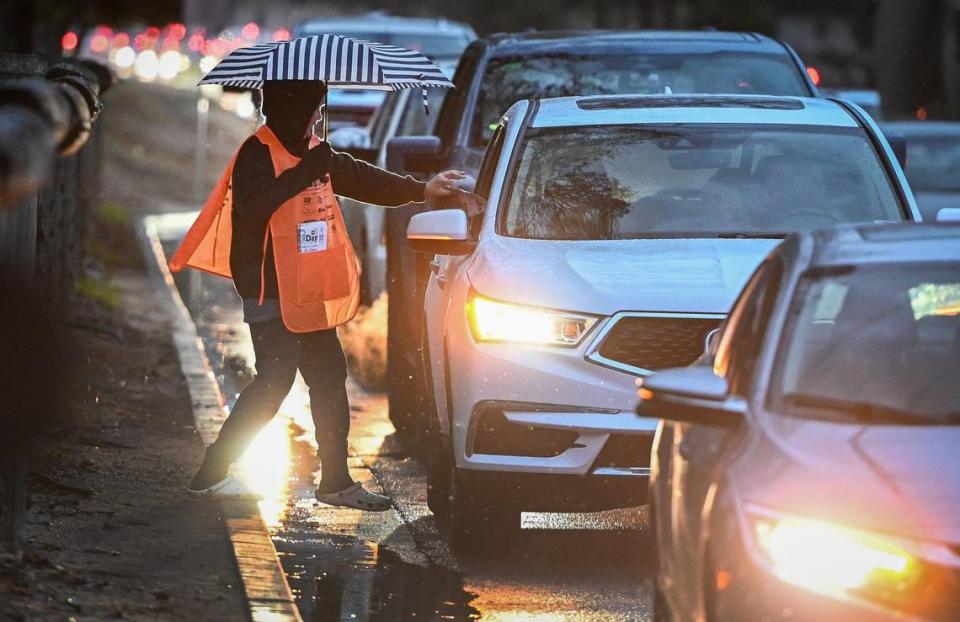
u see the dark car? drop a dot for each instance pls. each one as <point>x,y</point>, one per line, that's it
<point>499,70</point>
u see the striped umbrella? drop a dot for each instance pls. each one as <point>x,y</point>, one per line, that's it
<point>341,62</point>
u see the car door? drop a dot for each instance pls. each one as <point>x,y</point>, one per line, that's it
<point>697,452</point>
<point>445,271</point>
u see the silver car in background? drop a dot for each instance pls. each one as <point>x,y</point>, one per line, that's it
<point>438,39</point>
<point>810,468</point>
<point>933,163</point>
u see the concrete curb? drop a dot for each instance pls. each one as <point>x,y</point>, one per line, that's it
<point>264,583</point>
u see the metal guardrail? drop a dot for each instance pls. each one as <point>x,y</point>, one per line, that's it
<point>49,182</point>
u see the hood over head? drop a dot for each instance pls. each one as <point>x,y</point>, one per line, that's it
<point>289,105</point>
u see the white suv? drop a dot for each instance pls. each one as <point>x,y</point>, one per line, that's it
<point>617,232</point>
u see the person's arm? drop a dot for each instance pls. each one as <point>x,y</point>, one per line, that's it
<point>367,183</point>
<point>256,189</point>
<point>255,186</point>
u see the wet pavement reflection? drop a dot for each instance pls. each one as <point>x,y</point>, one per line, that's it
<point>345,564</point>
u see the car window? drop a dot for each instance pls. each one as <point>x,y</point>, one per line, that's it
<point>877,340</point>
<point>742,340</point>
<point>488,169</point>
<point>933,164</point>
<point>448,122</point>
<point>490,159</point>
<point>381,121</point>
<point>507,80</point>
<point>414,121</point>
<point>631,181</point>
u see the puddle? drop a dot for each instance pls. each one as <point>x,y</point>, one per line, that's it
<point>334,574</point>
<point>341,578</point>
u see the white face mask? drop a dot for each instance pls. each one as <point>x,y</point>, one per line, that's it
<point>317,128</point>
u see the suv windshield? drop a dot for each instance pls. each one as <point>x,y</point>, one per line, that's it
<point>508,80</point>
<point>622,182</point>
<point>877,342</point>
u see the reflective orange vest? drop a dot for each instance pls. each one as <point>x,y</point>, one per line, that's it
<point>317,275</point>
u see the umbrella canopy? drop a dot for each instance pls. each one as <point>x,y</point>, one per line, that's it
<point>341,62</point>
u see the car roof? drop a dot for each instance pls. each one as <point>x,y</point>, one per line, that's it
<point>924,128</point>
<point>886,243</point>
<point>661,41</point>
<point>379,22</point>
<point>749,109</point>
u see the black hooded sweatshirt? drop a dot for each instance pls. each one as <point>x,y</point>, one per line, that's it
<point>257,192</point>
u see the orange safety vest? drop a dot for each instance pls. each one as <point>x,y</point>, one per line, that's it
<point>317,275</point>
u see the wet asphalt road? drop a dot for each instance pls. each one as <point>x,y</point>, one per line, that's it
<point>348,565</point>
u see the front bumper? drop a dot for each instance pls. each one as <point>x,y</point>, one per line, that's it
<point>545,389</point>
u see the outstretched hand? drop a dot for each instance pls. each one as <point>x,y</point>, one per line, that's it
<point>442,186</point>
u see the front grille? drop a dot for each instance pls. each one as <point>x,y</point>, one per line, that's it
<point>652,343</point>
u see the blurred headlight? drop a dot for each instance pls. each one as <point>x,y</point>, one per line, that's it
<point>491,320</point>
<point>207,63</point>
<point>169,65</point>
<point>147,65</point>
<point>825,557</point>
<point>125,57</point>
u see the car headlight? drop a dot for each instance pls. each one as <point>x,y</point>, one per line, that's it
<point>492,321</point>
<point>830,558</point>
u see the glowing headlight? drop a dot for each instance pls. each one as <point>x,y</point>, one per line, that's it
<point>820,556</point>
<point>491,320</point>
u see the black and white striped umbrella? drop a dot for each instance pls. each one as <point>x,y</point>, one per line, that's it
<point>341,62</point>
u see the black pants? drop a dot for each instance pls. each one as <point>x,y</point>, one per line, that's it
<point>319,357</point>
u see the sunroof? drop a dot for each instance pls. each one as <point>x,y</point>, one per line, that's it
<point>615,103</point>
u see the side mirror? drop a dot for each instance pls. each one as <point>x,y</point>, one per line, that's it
<point>948,214</point>
<point>442,232</point>
<point>898,144</point>
<point>690,395</point>
<point>414,154</point>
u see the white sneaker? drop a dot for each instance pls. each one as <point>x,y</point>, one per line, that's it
<point>355,497</point>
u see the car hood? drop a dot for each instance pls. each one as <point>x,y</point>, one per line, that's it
<point>898,480</point>
<point>932,202</point>
<point>684,275</point>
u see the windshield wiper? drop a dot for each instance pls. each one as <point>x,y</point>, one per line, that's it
<point>751,236</point>
<point>866,412</point>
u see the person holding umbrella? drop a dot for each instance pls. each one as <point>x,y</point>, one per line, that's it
<point>273,225</point>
